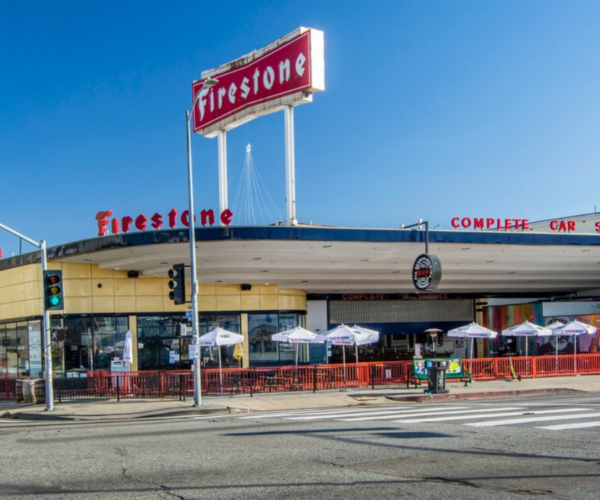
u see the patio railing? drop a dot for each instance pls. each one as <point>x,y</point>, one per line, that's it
<point>180,384</point>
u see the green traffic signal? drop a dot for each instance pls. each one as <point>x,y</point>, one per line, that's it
<point>53,294</point>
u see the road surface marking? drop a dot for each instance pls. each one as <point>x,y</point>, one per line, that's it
<point>566,427</point>
<point>537,419</point>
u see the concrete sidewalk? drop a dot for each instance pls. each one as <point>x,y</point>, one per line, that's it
<point>145,408</point>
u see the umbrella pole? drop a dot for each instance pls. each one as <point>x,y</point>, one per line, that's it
<point>472,340</point>
<point>556,348</point>
<point>220,370</point>
<point>344,358</point>
<point>575,351</point>
<point>296,356</point>
<point>356,351</point>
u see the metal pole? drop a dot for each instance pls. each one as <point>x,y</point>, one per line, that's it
<point>290,167</point>
<point>223,201</point>
<point>192,238</point>
<point>47,338</point>
<point>46,316</point>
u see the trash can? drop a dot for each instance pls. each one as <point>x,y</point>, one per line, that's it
<point>436,377</point>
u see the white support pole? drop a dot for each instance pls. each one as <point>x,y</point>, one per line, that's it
<point>193,268</point>
<point>223,201</point>
<point>290,167</point>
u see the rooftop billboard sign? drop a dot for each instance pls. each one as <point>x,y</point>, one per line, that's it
<point>285,73</point>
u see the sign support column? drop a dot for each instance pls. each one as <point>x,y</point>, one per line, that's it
<point>290,166</point>
<point>223,201</point>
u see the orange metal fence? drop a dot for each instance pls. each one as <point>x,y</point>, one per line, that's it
<point>180,384</point>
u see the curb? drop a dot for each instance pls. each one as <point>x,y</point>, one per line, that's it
<point>423,398</point>
<point>164,413</point>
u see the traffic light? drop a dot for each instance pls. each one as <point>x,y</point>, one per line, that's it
<point>177,284</point>
<point>53,290</point>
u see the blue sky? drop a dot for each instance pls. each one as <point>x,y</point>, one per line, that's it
<point>433,109</point>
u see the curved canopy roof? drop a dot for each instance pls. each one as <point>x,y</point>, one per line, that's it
<point>340,260</point>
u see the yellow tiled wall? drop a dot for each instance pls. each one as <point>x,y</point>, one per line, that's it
<point>90,290</point>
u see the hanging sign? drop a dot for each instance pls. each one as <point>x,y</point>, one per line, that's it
<point>285,73</point>
<point>426,272</point>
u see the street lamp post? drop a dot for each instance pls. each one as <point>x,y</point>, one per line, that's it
<point>192,237</point>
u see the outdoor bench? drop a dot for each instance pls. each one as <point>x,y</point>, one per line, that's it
<point>454,371</point>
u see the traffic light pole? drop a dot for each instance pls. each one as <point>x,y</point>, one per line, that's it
<point>47,338</point>
<point>192,226</point>
<point>194,278</point>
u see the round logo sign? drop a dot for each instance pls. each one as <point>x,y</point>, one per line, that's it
<point>426,272</point>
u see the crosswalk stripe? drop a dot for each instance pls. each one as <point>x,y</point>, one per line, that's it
<point>566,427</point>
<point>473,414</point>
<point>441,411</point>
<point>514,421</point>
<point>347,414</point>
<point>294,413</point>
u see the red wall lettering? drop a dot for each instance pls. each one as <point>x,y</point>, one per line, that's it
<point>126,222</point>
<point>141,221</point>
<point>157,221</point>
<point>207,215</point>
<point>226,217</point>
<point>102,218</point>
<point>489,223</point>
<point>173,218</point>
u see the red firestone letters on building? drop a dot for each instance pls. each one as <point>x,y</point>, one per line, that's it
<point>141,221</point>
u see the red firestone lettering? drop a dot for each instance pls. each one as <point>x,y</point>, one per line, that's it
<point>455,223</point>
<point>571,224</point>
<point>489,223</point>
<point>554,225</point>
<point>598,226</point>
<point>157,221</point>
<point>478,223</point>
<point>102,218</point>
<point>207,216</point>
<point>466,222</point>
<point>114,226</point>
<point>173,218</point>
<point>126,223</point>
<point>185,218</point>
<point>140,222</point>
<point>226,217</point>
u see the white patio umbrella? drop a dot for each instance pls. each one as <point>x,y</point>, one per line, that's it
<point>473,331</point>
<point>527,329</point>
<point>296,336</point>
<point>348,335</point>
<point>576,328</point>
<point>127,349</point>
<point>220,337</point>
<point>365,336</point>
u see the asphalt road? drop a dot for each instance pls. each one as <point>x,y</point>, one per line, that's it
<point>544,447</point>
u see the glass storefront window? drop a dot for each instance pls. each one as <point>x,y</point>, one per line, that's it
<point>160,343</point>
<point>262,349</point>
<point>90,343</point>
<point>3,350</point>
<point>210,355</point>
